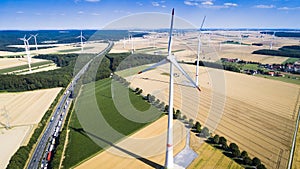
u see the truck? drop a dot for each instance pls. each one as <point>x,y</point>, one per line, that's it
<point>59,123</point>
<point>57,129</point>
<point>49,156</point>
<point>55,134</point>
<point>51,147</point>
<point>53,141</point>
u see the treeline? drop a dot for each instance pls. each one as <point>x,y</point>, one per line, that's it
<point>103,67</point>
<point>285,51</point>
<point>19,159</point>
<point>41,80</point>
<point>61,60</point>
<point>283,34</point>
<point>121,61</point>
<point>232,150</point>
<point>225,65</point>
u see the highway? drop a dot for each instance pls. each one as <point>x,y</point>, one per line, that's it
<point>43,148</point>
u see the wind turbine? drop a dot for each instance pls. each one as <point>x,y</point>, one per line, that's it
<point>124,43</point>
<point>273,38</point>
<point>169,163</point>
<point>27,50</point>
<point>81,41</point>
<point>241,38</point>
<point>132,44</point>
<point>34,36</point>
<point>198,52</point>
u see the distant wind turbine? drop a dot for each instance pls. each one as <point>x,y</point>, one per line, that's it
<point>124,43</point>
<point>27,50</point>
<point>273,38</point>
<point>241,38</point>
<point>198,52</point>
<point>81,41</point>
<point>34,36</point>
<point>132,44</point>
<point>169,163</point>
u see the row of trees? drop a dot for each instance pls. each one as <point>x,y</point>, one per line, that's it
<point>121,61</point>
<point>18,160</point>
<point>234,152</point>
<point>224,65</point>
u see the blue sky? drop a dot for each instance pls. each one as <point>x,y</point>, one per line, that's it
<point>95,14</point>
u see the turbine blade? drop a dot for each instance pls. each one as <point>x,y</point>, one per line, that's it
<point>164,61</point>
<point>202,23</point>
<point>170,34</point>
<point>83,37</point>
<point>175,63</point>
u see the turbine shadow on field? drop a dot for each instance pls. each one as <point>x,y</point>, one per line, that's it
<point>144,160</point>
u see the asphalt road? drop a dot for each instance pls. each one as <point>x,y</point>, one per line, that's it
<point>43,145</point>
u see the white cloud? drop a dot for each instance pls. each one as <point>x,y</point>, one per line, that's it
<point>190,3</point>
<point>264,6</point>
<point>158,4</point>
<point>288,8</point>
<point>139,3</point>
<point>95,14</point>
<point>19,12</point>
<point>207,3</point>
<point>155,4</point>
<point>228,4</point>
<point>80,12</point>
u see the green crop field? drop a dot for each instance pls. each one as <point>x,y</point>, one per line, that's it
<point>291,60</point>
<point>250,66</point>
<point>106,119</point>
<point>288,78</point>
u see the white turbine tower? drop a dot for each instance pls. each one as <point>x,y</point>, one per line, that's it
<point>273,38</point>
<point>34,36</point>
<point>198,52</point>
<point>124,43</point>
<point>132,44</point>
<point>169,163</point>
<point>27,50</point>
<point>81,41</point>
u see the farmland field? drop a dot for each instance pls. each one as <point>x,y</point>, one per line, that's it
<point>113,120</point>
<point>16,62</point>
<point>210,157</point>
<point>24,111</point>
<point>256,113</point>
